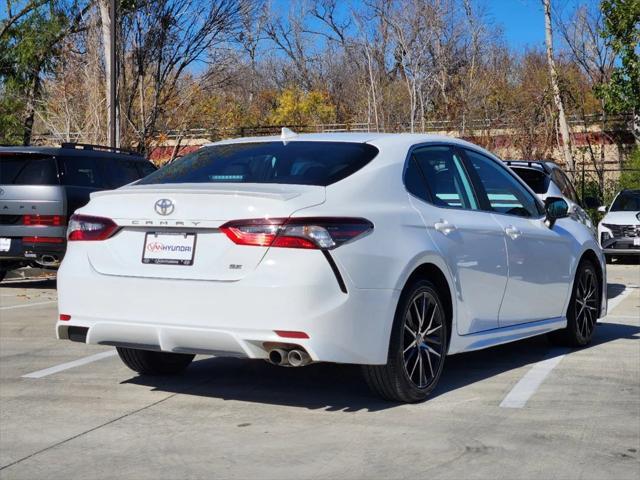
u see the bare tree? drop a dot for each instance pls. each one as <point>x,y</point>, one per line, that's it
<point>162,39</point>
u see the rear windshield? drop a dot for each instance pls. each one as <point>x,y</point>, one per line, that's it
<point>536,179</point>
<point>27,170</point>
<point>298,162</point>
<point>626,202</point>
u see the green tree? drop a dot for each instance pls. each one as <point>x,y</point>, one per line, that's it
<point>630,177</point>
<point>30,43</point>
<point>622,32</point>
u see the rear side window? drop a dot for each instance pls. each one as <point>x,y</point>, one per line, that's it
<point>537,180</point>
<point>145,168</point>
<point>297,162</point>
<point>28,170</point>
<point>445,176</point>
<point>82,172</point>
<point>121,172</point>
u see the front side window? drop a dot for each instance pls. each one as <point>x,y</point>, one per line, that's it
<point>296,162</point>
<point>445,177</point>
<point>504,193</point>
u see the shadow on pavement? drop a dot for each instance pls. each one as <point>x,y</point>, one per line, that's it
<point>333,387</point>
<point>615,289</point>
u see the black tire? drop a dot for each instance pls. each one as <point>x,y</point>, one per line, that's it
<point>147,362</point>
<point>398,380</point>
<point>584,308</point>
<point>610,258</point>
<point>3,273</point>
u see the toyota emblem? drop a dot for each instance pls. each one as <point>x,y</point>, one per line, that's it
<point>164,206</point>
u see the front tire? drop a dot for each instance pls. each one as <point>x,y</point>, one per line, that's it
<point>584,308</point>
<point>417,347</point>
<point>147,362</point>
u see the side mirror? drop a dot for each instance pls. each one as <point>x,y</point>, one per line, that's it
<point>602,209</point>
<point>591,202</point>
<point>556,208</point>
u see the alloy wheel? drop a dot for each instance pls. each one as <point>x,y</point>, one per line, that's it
<point>586,303</point>
<point>423,342</point>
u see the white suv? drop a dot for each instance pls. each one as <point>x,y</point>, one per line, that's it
<point>619,229</point>
<point>389,251</point>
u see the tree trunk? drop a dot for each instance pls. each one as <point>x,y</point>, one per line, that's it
<point>553,74</point>
<point>30,107</point>
<point>105,19</point>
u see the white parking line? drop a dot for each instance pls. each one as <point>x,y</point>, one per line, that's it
<point>28,305</point>
<point>68,365</point>
<point>527,386</point>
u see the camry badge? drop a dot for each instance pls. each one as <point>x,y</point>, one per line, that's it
<point>164,206</point>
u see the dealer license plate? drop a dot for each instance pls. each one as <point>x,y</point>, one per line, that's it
<point>169,248</point>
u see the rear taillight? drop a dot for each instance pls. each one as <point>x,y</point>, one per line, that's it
<point>43,220</point>
<point>315,233</point>
<point>87,228</point>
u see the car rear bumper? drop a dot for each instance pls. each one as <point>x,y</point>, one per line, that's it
<point>44,254</point>
<point>234,318</point>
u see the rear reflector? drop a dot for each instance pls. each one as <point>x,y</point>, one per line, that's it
<point>43,220</point>
<point>64,317</point>
<point>42,240</point>
<point>291,334</point>
<point>88,228</point>
<point>321,233</point>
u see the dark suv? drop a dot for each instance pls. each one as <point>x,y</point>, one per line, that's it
<point>40,187</point>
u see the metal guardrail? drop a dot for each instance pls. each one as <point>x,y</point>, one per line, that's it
<point>616,122</point>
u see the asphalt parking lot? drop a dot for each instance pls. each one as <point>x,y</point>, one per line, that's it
<point>525,410</point>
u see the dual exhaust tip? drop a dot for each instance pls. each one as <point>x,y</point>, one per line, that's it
<point>289,358</point>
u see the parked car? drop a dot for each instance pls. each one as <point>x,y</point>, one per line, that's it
<point>389,251</point>
<point>619,229</point>
<point>547,179</point>
<point>40,187</point>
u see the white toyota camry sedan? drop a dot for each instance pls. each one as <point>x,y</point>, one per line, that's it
<point>388,251</point>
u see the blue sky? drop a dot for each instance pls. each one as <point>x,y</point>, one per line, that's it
<point>522,21</point>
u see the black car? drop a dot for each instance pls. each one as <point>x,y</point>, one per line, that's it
<point>40,187</point>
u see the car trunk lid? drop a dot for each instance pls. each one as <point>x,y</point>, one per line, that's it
<point>188,216</point>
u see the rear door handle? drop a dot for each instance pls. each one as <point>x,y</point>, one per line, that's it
<point>513,232</point>
<point>444,227</point>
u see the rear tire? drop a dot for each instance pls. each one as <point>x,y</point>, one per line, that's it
<point>417,347</point>
<point>584,308</point>
<point>3,273</point>
<point>147,362</point>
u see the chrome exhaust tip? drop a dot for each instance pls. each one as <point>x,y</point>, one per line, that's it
<point>279,357</point>
<point>298,358</point>
<point>48,261</point>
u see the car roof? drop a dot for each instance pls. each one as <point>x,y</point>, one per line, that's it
<point>72,152</point>
<point>381,140</point>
